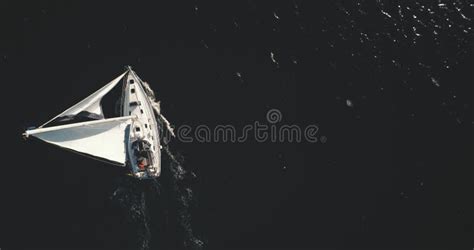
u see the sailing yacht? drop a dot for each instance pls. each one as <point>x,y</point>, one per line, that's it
<point>130,140</point>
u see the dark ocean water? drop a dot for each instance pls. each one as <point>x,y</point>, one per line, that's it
<point>389,84</point>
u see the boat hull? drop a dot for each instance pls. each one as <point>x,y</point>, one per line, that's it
<point>143,145</point>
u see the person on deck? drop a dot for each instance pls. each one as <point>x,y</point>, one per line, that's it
<point>142,163</point>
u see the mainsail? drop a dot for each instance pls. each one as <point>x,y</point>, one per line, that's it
<point>103,139</point>
<point>90,104</point>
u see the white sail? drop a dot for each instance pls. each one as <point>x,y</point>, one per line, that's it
<point>90,103</point>
<point>102,138</point>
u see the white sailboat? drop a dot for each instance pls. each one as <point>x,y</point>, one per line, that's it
<point>130,140</point>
